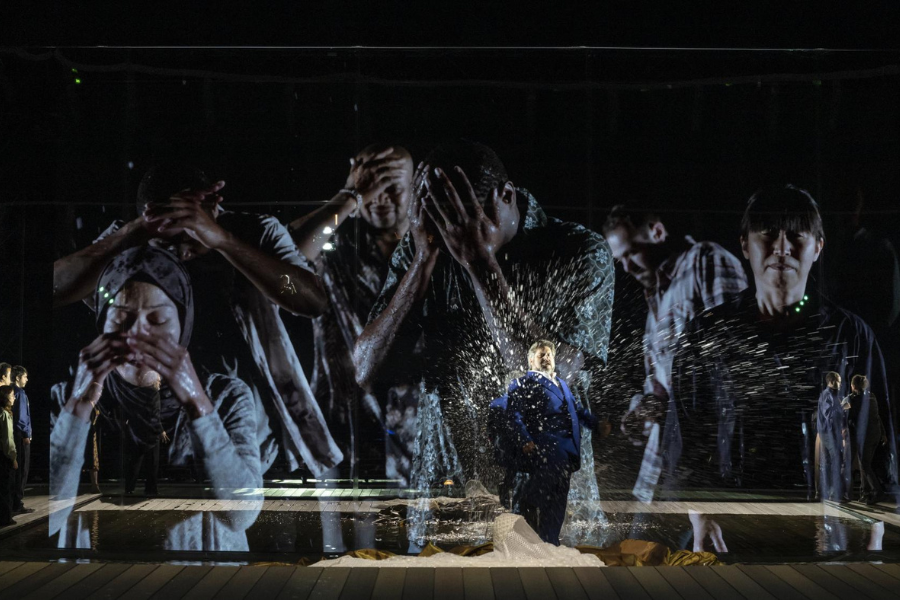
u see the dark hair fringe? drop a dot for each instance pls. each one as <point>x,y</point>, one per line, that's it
<point>782,208</point>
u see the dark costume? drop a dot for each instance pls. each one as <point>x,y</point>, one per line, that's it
<point>22,419</point>
<point>546,413</point>
<point>830,424</point>
<point>746,394</point>
<point>866,434</point>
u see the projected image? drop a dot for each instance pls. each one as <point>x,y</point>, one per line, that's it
<point>339,322</point>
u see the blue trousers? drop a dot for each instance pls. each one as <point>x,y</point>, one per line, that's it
<point>541,498</point>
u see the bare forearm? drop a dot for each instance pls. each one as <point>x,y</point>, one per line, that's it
<point>511,327</point>
<point>377,339</point>
<point>75,276</point>
<point>303,297</point>
<point>308,231</point>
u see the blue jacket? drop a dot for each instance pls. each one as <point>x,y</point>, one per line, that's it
<point>539,411</point>
<point>22,413</point>
<point>835,423</point>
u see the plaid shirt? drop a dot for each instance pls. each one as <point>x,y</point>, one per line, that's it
<point>695,280</point>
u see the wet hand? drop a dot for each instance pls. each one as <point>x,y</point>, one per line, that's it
<point>371,173</point>
<point>191,212</point>
<point>173,363</point>
<point>471,239</point>
<point>95,362</point>
<point>421,227</point>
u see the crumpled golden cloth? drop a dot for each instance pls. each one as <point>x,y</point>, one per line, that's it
<point>627,553</point>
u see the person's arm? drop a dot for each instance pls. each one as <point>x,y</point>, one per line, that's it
<point>305,297</point>
<point>300,294</point>
<point>411,267</point>
<point>7,445</point>
<point>75,276</point>
<point>308,231</point>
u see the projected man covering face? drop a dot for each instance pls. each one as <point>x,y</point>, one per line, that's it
<point>482,273</point>
<point>144,306</point>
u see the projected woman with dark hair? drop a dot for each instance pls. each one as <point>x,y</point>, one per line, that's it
<point>145,310</point>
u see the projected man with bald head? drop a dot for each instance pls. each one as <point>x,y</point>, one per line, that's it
<point>352,256</point>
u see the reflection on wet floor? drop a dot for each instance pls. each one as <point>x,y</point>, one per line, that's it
<point>754,532</point>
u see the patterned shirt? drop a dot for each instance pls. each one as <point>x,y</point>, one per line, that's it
<point>697,279</point>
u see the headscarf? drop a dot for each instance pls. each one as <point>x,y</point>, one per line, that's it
<point>152,265</point>
<point>138,408</point>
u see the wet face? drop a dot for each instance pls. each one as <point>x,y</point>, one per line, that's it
<point>634,248</point>
<point>543,360</point>
<point>388,208</point>
<point>142,307</point>
<point>781,260</point>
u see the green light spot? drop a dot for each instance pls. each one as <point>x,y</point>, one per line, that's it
<point>817,82</point>
<point>110,300</point>
<point>77,80</point>
<point>806,297</point>
<point>797,309</point>
<point>106,295</point>
<point>802,303</point>
<point>101,288</point>
<point>74,70</point>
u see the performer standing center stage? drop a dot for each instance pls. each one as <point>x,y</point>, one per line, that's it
<point>545,428</point>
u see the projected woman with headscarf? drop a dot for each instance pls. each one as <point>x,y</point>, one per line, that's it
<point>144,307</point>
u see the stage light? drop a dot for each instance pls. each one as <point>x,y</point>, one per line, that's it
<point>805,297</point>
<point>77,80</point>
<point>328,231</point>
<point>328,246</point>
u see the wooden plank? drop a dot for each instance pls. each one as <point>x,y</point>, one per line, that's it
<point>565,583</point>
<point>654,583</point>
<point>448,583</point>
<point>330,583</point>
<point>150,584</point>
<point>829,582</point>
<point>241,583</point>
<point>872,574</point>
<point>595,583</point>
<point>95,580</point>
<point>890,569</point>
<point>211,583</point>
<point>7,566</point>
<point>686,585</point>
<point>301,583</point>
<point>359,584</point>
<point>772,583</point>
<point>801,583</point>
<point>37,579</point>
<point>712,583</point>
<point>625,584</point>
<point>419,583</point>
<point>477,584</point>
<point>123,582</point>
<point>272,582</point>
<point>16,575</point>
<point>742,583</point>
<point>857,581</point>
<point>389,584</point>
<point>63,582</point>
<point>536,583</point>
<point>182,583</point>
<point>507,583</point>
